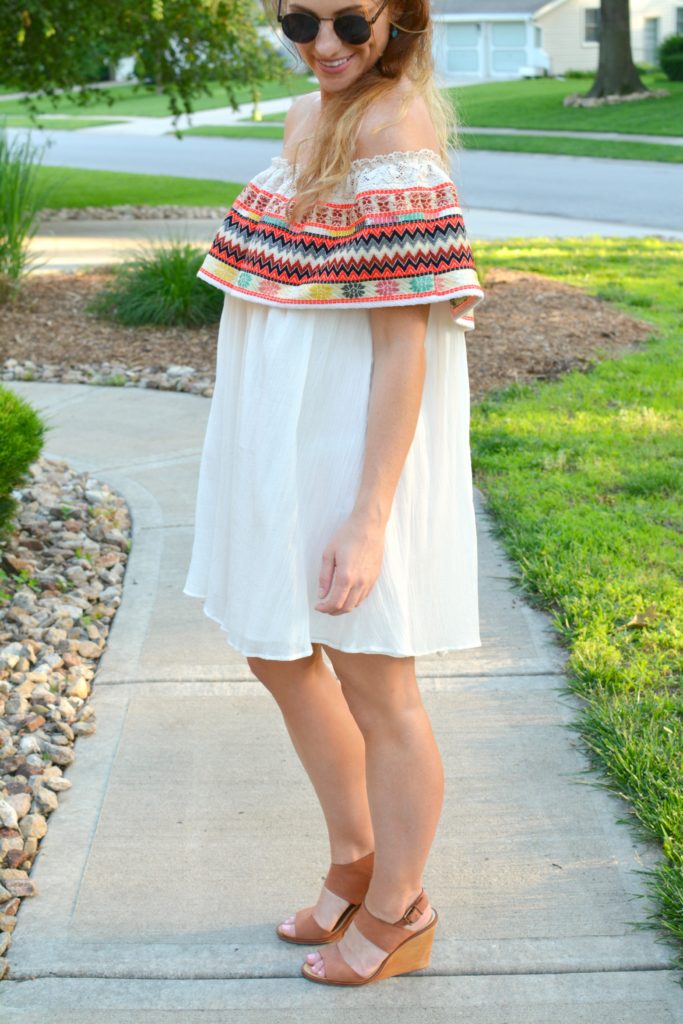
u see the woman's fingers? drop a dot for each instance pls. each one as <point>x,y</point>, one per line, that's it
<point>326,572</point>
<point>334,601</point>
<point>343,598</point>
<point>350,565</point>
<point>353,598</point>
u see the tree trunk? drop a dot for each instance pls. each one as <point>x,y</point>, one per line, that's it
<point>617,74</point>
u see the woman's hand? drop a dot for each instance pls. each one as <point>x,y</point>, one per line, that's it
<point>351,563</point>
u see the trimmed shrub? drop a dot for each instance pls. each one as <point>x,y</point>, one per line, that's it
<point>22,435</point>
<point>160,286</point>
<point>671,58</point>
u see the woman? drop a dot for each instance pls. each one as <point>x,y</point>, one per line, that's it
<point>334,508</point>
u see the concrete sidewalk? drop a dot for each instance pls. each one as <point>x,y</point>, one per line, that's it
<point>224,116</point>
<point>191,828</point>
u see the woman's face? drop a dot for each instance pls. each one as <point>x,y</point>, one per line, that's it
<point>337,64</point>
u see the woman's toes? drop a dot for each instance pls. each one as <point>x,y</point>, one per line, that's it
<point>316,963</point>
<point>288,926</point>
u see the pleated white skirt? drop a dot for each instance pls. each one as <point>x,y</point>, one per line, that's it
<point>279,472</point>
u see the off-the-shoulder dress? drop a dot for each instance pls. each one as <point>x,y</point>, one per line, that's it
<point>284,443</point>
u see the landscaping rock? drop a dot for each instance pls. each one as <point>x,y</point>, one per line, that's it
<point>52,635</point>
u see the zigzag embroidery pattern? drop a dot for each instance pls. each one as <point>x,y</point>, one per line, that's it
<point>390,246</point>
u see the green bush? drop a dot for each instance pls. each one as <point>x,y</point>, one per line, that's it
<point>160,286</point>
<point>22,434</point>
<point>671,58</point>
<point>21,199</point>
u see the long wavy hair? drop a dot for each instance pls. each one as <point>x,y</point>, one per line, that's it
<point>409,54</point>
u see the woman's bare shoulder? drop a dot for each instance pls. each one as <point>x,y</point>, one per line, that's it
<point>385,128</point>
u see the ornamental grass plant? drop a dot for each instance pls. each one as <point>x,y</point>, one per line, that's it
<point>160,287</point>
<point>22,196</point>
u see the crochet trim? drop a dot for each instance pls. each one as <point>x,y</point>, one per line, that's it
<point>382,158</point>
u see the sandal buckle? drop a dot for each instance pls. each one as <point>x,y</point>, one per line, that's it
<point>413,907</point>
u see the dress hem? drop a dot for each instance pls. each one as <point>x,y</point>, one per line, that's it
<point>331,643</point>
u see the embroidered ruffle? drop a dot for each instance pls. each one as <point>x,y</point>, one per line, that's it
<point>392,234</point>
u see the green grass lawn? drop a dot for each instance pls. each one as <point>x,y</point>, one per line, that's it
<point>574,147</point>
<point>62,124</point>
<point>129,102</point>
<point>269,129</point>
<point>537,103</point>
<point>75,188</point>
<point>584,477</point>
<point>237,131</point>
<point>527,103</point>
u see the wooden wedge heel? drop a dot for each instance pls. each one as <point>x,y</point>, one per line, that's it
<point>348,881</point>
<point>406,950</point>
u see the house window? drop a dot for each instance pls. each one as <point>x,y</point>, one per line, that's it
<point>651,39</point>
<point>679,21</point>
<point>538,35</point>
<point>591,28</point>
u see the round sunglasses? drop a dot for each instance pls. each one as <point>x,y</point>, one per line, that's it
<point>302,27</point>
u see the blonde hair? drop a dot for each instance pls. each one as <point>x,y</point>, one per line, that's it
<point>408,54</point>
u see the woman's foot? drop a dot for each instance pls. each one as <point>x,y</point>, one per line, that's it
<point>358,952</point>
<point>342,893</point>
<point>326,912</point>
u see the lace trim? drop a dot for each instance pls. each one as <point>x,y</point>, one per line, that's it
<point>379,159</point>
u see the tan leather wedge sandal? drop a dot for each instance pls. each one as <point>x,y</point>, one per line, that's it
<point>348,881</point>
<point>407,950</point>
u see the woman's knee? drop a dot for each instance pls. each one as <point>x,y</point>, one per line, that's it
<point>380,695</point>
<point>276,675</point>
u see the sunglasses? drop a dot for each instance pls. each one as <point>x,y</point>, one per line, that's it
<point>350,28</point>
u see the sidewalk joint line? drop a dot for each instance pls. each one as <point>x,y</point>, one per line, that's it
<point>640,968</point>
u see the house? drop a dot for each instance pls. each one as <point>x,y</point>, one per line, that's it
<point>506,39</point>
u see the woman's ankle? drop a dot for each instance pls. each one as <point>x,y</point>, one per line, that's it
<point>390,907</point>
<point>346,853</point>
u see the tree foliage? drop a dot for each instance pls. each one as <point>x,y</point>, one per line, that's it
<point>180,45</point>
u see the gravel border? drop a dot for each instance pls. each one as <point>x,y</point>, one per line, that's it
<point>136,211</point>
<point>60,586</point>
<point>173,378</point>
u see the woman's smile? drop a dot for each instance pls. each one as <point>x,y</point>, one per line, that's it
<point>335,67</point>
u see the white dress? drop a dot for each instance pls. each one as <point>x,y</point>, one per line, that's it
<point>281,464</point>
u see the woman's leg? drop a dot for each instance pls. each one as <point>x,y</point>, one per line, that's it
<point>405,785</point>
<point>331,749</point>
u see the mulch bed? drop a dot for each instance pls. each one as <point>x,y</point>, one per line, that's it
<point>528,328</point>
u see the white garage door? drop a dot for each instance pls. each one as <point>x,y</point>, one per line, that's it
<point>463,47</point>
<point>508,46</point>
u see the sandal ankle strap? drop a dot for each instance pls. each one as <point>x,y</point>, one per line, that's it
<point>351,881</point>
<point>387,934</point>
<point>415,910</point>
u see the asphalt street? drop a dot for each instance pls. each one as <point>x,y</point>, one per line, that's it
<point>632,192</point>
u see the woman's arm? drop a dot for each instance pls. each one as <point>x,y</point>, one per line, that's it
<point>352,560</point>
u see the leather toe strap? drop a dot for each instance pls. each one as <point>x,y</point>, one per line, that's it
<point>336,967</point>
<point>306,926</point>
